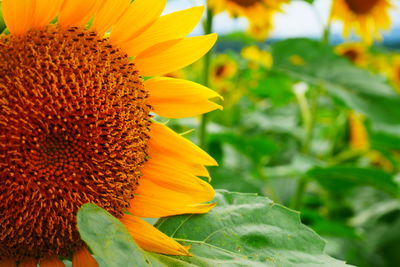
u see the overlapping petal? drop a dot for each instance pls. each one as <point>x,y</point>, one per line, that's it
<point>175,98</point>
<point>45,11</point>
<point>83,258</point>
<point>77,12</point>
<point>173,55</point>
<point>18,15</point>
<point>139,16</point>
<point>165,141</point>
<point>109,13</point>
<point>151,239</point>
<point>168,27</point>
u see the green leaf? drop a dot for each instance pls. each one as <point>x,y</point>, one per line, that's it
<point>273,85</point>
<point>359,89</point>
<point>247,230</point>
<point>108,238</point>
<point>342,178</point>
<point>255,147</point>
<point>243,230</point>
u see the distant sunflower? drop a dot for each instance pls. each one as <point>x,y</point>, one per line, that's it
<point>355,52</point>
<point>366,17</point>
<point>75,124</point>
<point>259,13</point>
<point>223,68</point>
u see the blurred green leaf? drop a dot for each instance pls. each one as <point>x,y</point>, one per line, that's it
<point>326,227</point>
<point>248,230</point>
<point>315,63</point>
<point>273,85</point>
<point>343,178</point>
<point>255,147</point>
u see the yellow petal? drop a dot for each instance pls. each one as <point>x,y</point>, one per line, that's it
<point>165,141</point>
<point>109,13</point>
<point>169,177</point>
<point>8,263</point>
<point>83,258</point>
<point>154,201</point>
<point>45,11</point>
<point>147,207</point>
<point>195,169</point>
<point>151,239</point>
<point>51,262</point>
<point>77,12</point>
<point>29,262</point>
<point>166,28</point>
<point>18,15</point>
<point>139,16</point>
<point>173,55</point>
<point>175,98</point>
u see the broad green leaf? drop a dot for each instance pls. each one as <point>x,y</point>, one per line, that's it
<point>247,230</point>
<point>243,230</point>
<point>111,243</point>
<point>108,238</point>
<point>316,63</point>
<point>343,178</point>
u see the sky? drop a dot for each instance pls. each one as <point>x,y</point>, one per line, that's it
<point>298,19</point>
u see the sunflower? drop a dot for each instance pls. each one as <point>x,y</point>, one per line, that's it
<point>355,52</point>
<point>76,124</point>
<point>258,12</point>
<point>366,17</point>
<point>223,68</point>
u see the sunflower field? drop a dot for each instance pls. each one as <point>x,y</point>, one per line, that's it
<point>202,133</point>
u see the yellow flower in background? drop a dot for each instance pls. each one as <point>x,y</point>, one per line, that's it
<point>367,18</point>
<point>75,124</point>
<point>259,13</point>
<point>358,133</point>
<point>257,57</point>
<point>355,52</point>
<point>223,68</point>
<point>359,140</point>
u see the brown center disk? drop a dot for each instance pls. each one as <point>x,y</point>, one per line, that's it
<point>74,128</point>
<point>361,7</point>
<point>352,55</point>
<point>246,3</point>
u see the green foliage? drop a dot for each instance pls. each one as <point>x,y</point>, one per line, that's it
<point>357,88</point>
<point>108,238</point>
<point>343,178</point>
<point>243,230</point>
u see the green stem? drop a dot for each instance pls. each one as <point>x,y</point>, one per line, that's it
<point>299,195</point>
<point>208,25</point>
<point>327,31</point>
<point>268,188</point>
<point>309,113</point>
<point>297,202</point>
<point>309,129</point>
